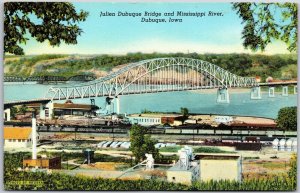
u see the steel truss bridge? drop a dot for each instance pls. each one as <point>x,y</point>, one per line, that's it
<point>154,75</point>
<point>48,78</point>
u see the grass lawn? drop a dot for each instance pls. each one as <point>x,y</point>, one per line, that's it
<point>195,149</point>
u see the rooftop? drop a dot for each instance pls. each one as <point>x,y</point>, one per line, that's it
<point>155,115</point>
<point>17,132</point>
<point>212,156</point>
<point>70,105</point>
<point>34,105</point>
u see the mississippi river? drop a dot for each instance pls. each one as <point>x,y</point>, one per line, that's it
<point>202,102</point>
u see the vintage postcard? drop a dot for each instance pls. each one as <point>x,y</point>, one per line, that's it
<point>184,96</point>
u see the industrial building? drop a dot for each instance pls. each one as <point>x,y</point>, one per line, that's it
<point>205,167</point>
<point>63,109</point>
<point>177,174</point>
<point>17,137</point>
<point>186,170</point>
<point>154,119</point>
<point>50,110</point>
<point>220,167</point>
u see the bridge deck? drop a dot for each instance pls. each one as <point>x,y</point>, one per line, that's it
<point>20,102</point>
<point>278,83</point>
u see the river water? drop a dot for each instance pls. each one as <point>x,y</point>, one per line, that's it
<point>202,102</point>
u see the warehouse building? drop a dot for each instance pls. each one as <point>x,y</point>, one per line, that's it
<point>205,167</point>
<point>65,109</point>
<point>17,137</point>
<point>154,119</point>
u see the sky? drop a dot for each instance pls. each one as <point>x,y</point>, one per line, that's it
<point>121,35</point>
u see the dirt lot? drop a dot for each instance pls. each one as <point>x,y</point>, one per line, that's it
<point>262,168</point>
<point>107,166</point>
<point>262,163</point>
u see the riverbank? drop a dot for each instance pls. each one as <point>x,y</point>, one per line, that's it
<point>210,119</point>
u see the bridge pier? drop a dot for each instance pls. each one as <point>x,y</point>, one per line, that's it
<point>222,95</point>
<point>295,89</point>
<point>285,91</point>
<point>255,93</point>
<point>117,103</point>
<point>42,112</point>
<point>7,114</point>
<point>50,110</point>
<point>108,105</point>
<point>272,91</point>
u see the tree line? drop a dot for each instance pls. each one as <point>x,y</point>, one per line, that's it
<point>276,66</point>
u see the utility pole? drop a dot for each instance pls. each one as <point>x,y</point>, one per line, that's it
<point>113,132</point>
<point>33,134</point>
<point>193,137</point>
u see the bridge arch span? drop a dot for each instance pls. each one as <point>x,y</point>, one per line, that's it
<point>175,68</point>
<point>154,75</point>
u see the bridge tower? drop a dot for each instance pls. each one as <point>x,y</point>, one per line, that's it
<point>255,93</point>
<point>271,91</point>
<point>222,95</point>
<point>285,91</point>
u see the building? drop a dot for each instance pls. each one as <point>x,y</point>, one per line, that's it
<point>205,167</point>
<point>223,119</point>
<point>39,162</point>
<point>220,167</point>
<point>47,163</point>
<point>17,137</point>
<point>186,170</point>
<point>154,119</point>
<point>181,175</point>
<point>68,108</point>
<point>190,121</point>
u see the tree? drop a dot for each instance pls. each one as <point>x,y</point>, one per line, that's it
<point>23,109</point>
<point>287,118</point>
<point>262,24</point>
<point>13,111</point>
<point>52,21</point>
<point>141,143</point>
<point>185,113</point>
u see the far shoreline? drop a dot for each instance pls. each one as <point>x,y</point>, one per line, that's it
<point>212,114</point>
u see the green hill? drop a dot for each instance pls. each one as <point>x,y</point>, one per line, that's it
<point>282,66</point>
